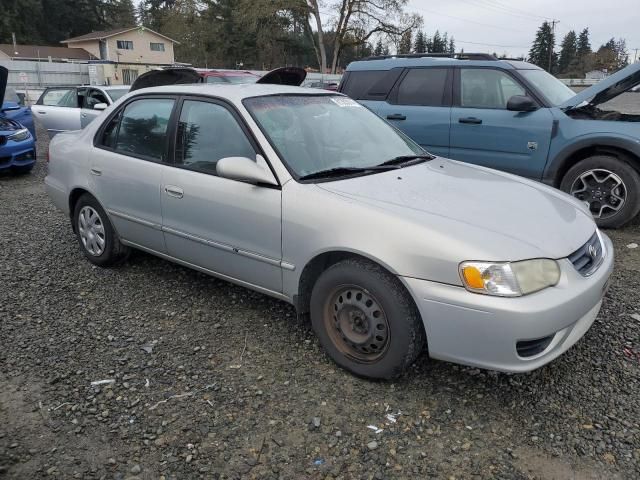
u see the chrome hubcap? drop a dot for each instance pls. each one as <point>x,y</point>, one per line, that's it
<point>91,231</point>
<point>602,190</point>
<point>356,323</point>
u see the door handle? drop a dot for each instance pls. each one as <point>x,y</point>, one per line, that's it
<point>396,116</point>
<point>172,191</point>
<point>96,172</point>
<point>470,120</point>
<point>41,112</point>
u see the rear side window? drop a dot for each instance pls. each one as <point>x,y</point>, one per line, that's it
<point>360,82</point>
<point>423,86</point>
<point>141,129</point>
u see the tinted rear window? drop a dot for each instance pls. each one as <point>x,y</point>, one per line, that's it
<point>423,86</point>
<point>359,83</point>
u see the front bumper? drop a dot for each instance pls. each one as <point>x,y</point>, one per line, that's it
<point>17,154</point>
<point>483,331</point>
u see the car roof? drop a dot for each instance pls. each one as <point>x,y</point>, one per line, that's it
<point>394,62</point>
<point>233,92</point>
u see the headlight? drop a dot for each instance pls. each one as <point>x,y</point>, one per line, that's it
<point>509,279</point>
<point>20,135</point>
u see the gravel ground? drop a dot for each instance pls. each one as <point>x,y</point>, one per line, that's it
<point>215,381</point>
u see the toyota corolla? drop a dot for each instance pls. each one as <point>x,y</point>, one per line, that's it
<point>309,197</point>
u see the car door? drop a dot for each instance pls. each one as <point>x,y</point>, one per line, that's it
<point>58,110</point>
<point>420,106</point>
<point>127,168</point>
<point>225,226</point>
<point>90,100</point>
<point>484,132</point>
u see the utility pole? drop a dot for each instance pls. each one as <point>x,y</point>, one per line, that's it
<point>553,37</point>
<point>635,54</point>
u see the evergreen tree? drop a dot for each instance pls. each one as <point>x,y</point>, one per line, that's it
<point>452,46</point>
<point>120,13</point>
<point>405,43</point>
<point>584,46</point>
<point>542,51</point>
<point>420,45</point>
<point>437,44</point>
<point>568,52</point>
<point>379,50</point>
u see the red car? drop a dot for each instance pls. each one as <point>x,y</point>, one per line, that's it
<point>227,76</point>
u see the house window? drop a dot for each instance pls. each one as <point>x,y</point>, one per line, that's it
<point>157,47</point>
<point>129,76</point>
<point>125,45</point>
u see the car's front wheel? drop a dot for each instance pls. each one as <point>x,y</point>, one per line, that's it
<point>366,320</point>
<point>96,235</point>
<point>609,185</point>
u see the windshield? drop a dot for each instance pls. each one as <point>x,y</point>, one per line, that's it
<point>313,133</point>
<point>117,93</point>
<point>553,89</point>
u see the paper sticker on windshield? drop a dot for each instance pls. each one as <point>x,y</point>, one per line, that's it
<point>345,102</point>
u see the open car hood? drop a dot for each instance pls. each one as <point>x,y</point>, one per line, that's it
<point>167,76</point>
<point>607,88</point>
<point>4,75</point>
<point>293,76</point>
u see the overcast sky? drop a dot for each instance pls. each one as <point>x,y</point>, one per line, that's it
<point>510,25</point>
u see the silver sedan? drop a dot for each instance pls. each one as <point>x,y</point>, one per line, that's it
<point>309,197</point>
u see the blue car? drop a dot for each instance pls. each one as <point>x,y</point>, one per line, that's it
<point>514,116</point>
<point>17,131</point>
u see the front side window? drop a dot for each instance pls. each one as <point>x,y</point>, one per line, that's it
<point>313,133</point>
<point>60,97</point>
<point>124,45</point>
<point>423,86</point>
<point>140,129</point>
<point>206,133</point>
<point>93,98</point>
<point>157,47</point>
<point>487,88</point>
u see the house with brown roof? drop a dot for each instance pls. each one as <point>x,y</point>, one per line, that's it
<point>43,53</point>
<point>127,45</point>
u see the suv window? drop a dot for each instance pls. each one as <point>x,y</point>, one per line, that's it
<point>59,97</point>
<point>140,129</point>
<point>206,133</point>
<point>487,88</point>
<point>423,86</point>
<point>360,82</point>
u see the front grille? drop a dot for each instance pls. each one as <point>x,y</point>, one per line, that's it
<point>588,257</point>
<point>530,348</point>
<point>3,140</point>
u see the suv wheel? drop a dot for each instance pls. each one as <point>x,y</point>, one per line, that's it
<point>366,320</point>
<point>610,186</point>
<point>96,235</point>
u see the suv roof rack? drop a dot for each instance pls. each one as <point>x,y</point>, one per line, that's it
<point>458,56</point>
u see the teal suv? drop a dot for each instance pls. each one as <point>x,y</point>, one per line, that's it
<point>514,116</point>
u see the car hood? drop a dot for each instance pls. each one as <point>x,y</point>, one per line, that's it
<point>293,76</point>
<point>4,75</point>
<point>551,223</point>
<point>607,88</point>
<point>167,76</point>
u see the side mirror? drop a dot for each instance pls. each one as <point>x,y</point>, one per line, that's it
<point>10,106</point>
<point>100,106</point>
<point>521,103</point>
<point>244,169</point>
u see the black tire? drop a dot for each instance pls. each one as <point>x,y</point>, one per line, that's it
<point>112,252</point>
<point>22,170</point>
<point>404,339</point>
<point>624,171</point>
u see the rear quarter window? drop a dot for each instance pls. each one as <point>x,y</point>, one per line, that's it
<point>359,83</point>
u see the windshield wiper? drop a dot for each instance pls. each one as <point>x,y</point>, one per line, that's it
<point>413,159</point>
<point>342,171</point>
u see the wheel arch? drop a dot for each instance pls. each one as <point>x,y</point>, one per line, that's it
<point>74,196</point>
<point>321,262</point>
<point>620,147</point>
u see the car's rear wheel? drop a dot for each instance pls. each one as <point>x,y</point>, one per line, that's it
<point>96,235</point>
<point>610,185</point>
<point>366,320</point>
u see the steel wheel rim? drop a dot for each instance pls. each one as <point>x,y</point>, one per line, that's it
<point>91,231</point>
<point>602,190</point>
<point>356,323</point>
